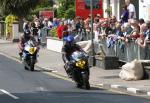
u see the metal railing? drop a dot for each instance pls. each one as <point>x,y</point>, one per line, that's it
<point>128,53</point>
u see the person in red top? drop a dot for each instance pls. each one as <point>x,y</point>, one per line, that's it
<point>60,29</point>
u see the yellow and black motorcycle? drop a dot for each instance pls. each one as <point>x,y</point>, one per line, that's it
<point>29,55</point>
<point>80,69</point>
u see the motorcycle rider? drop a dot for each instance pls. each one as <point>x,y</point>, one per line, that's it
<point>27,35</point>
<point>68,48</point>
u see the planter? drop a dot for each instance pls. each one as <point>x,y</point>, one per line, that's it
<point>108,62</point>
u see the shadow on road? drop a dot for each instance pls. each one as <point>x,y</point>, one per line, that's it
<point>71,97</point>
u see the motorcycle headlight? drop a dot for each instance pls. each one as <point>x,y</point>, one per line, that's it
<point>32,50</point>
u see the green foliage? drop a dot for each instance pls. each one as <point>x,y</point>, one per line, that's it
<point>109,11</point>
<point>19,8</point>
<point>66,9</point>
<point>29,18</point>
<point>44,5</point>
<point>60,12</point>
<point>9,21</point>
<point>36,11</point>
<point>70,13</point>
<point>53,32</point>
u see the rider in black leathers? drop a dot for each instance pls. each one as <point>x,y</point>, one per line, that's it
<point>68,48</point>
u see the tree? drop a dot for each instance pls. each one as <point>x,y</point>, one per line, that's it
<point>44,5</point>
<point>19,8</point>
<point>66,7</point>
<point>70,13</point>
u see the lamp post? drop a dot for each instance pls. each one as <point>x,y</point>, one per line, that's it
<point>92,36</point>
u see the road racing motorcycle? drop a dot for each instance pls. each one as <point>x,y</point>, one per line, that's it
<point>29,55</point>
<point>79,69</point>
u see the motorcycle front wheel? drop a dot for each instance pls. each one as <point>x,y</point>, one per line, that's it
<point>32,67</point>
<point>85,78</point>
<point>26,68</point>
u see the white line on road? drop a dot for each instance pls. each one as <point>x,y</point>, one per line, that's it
<point>9,94</point>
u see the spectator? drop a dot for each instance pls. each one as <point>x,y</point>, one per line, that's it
<point>96,34</point>
<point>131,8</point>
<point>50,23</point>
<point>143,32</point>
<point>144,43</point>
<point>25,24</point>
<point>95,24</point>
<point>147,33</point>
<point>55,22</point>
<point>136,29</point>
<point>143,29</point>
<point>127,29</point>
<point>60,30</point>
<point>125,15</point>
<point>112,25</point>
<point>45,22</point>
<point>98,16</point>
<point>141,21</point>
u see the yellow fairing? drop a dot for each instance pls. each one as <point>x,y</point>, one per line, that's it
<point>32,50</point>
<point>81,64</point>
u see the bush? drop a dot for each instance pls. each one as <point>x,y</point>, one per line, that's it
<point>53,32</point>
<point>70,13</point>
<point>9,21</point>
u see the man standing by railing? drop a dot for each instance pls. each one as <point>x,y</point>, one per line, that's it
<point>131,8</point>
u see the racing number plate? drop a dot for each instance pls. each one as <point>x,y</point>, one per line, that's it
<point>80,64</point>
<point>31,50</point>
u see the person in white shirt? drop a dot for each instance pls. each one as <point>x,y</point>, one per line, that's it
<point>131,8</point>
<point>96,35</point>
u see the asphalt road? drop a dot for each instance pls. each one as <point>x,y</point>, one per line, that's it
<point>20,86</point>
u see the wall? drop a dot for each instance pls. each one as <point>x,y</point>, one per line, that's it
<point>54,44</point>
<point>115,4</point>
<point>144,11</point>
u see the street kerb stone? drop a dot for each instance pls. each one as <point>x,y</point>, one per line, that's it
<point>119,88</point>
<point>141,92</point>
<point>137,91</point>
<point>148,93</point>
<point>122,88</point>
<point>105,86</point>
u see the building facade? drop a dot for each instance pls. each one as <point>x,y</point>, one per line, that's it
<point>142,8</point>
<point>144,11</point>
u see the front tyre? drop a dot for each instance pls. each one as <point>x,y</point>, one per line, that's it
<point>31,67</point>
<point>87,85</point>
<point>32,63</point>
<point>26,68</point>
<point>85,78</point>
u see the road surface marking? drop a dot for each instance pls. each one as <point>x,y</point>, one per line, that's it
<point>41,89</point>
<point>9,94</point>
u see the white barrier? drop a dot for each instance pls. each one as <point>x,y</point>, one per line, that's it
<point>54,44</point>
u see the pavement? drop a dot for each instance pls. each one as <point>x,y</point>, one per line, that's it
<point>106,79</point>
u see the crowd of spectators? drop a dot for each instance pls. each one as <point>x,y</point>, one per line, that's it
<point>124,30</point>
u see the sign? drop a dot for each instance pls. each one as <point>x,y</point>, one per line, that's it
<point>83,8</point>
<point>47,14</point>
